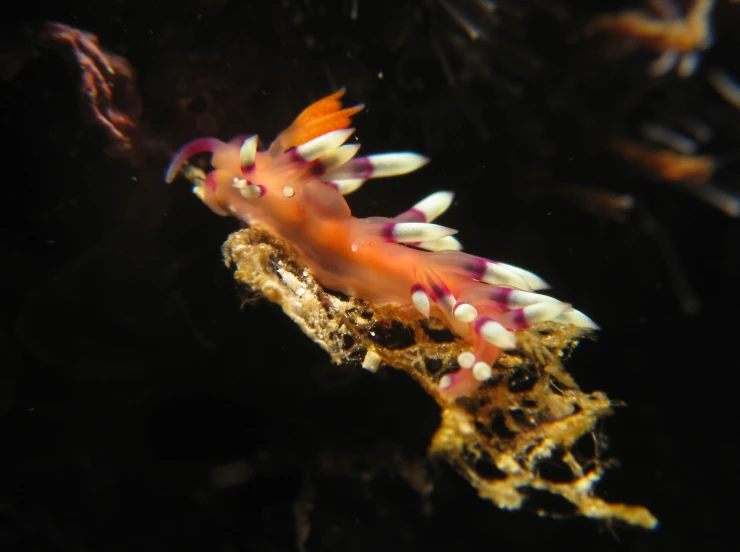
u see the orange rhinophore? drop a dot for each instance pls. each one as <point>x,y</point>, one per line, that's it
<point>295,190</point>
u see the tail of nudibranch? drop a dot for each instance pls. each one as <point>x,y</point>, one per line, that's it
<point>486,303</point>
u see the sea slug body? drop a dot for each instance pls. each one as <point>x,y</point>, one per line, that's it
<point>295,189</point>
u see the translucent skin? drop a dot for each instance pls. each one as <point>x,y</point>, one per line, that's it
<point>294,198</point>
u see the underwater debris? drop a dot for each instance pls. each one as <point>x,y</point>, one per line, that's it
<point>679,38</point>
<point>104,77</point>
<point>692,173</point>
<point>503,437</point>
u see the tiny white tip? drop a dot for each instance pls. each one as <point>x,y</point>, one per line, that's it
<point>435,204</point>
<point>394,164</point>
<point>519,298</point>
<point>405,232</point>
<point>533,281</point>
<point>465,312</point>
<point>501,274</point>
<point>248,152</point>
<point>250,191</point>
<point>448,243</point>
<point>495,333</point>
<point>288,191</point>
<point>445,382</point>
<point>482,371</point>
<point>347,186</point>
<point>543,312</point>
<point>576,318</point>
<point>324,144</point>
<point>421,302</point>
<point>338,157</point>
<point>466,360</point>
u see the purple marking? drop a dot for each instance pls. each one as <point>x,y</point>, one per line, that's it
<point>439,292</point>
<point>479,322</point>
<point>200,145</point>
<point>415,215</point>
<point>361,167</point>
<point>476,267</point>
<point>501,296</point>
<point>519,319</point>
<point>294,156</point>
<point>415,288</point>
<point>386,232</point>
<point>317,167</point>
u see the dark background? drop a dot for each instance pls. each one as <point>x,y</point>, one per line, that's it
<point>142,409</point>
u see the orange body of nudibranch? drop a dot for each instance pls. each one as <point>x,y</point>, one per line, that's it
<point>295,189</point>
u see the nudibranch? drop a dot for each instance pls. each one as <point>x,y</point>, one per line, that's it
<point>295,189</point>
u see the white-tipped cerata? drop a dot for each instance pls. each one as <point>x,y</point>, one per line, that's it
<point>250,191</point>
<point>381,165</point>
<point>448,243</point>
<point>337,158</point>
<point>464,312</point>
<point>247,190</point>
<point>533,281</point>
<point>542,312</point>
<point>248,152</point>
<point>420,300</point>
<point>501,274</point>
<point>576,318</point>
<point>445,382</point>
<point>395,164</point>
<point>347,186</point>
<point>510,298</point>
<point>495,333</point>
<point>433,206</point>
<point>324,144</point>
<point>482,371</point>
<point>466,360</point>
<point>409,232</point>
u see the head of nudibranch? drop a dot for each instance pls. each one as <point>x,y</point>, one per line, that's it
<point>308,168</point>
<point>311,148</point>
<point>242,174</point>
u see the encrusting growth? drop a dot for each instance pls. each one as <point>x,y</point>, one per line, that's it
<point>406,274</point>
